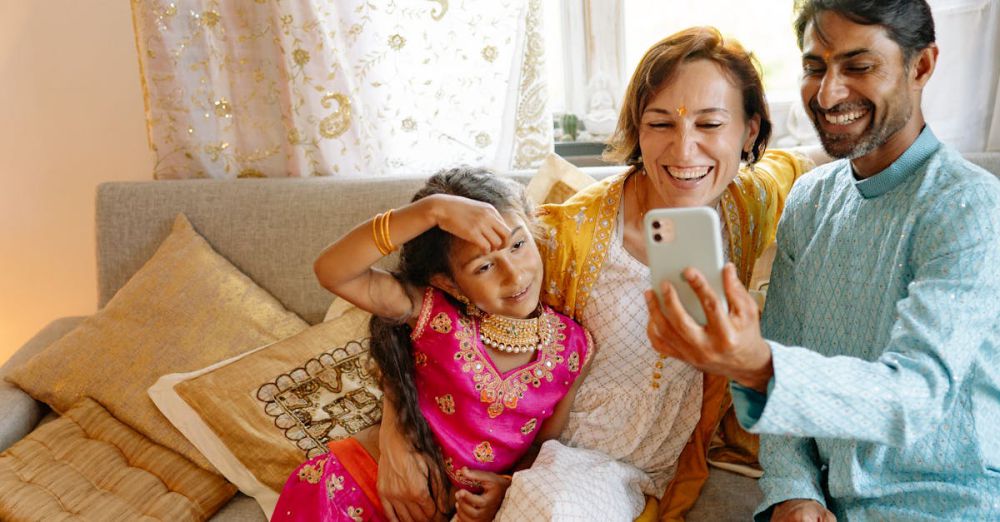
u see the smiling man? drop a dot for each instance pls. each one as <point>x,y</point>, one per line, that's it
<point>877,393</point>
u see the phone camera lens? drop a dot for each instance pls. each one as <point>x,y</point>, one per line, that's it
<point>657,238</point>
<point>656,225</point>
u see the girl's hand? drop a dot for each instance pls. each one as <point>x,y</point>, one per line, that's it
<point>473,221</point>
<point>484,506</point>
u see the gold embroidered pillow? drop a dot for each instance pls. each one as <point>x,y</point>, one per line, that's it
<point>87,465</point>
<point>186,308</point>
<point>555,181</point>
<point>259,415</point>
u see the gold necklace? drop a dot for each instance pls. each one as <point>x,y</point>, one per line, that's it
<point>641,208</point>
<point>639,202</point>
<point>511,335</point>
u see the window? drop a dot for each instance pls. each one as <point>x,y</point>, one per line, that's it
<point>594,45</point>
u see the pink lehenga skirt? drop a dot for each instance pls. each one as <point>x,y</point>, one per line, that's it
<point>337,486</point>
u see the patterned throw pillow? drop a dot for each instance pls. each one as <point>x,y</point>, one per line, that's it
<point>257,416</point>
<point>187,307</point>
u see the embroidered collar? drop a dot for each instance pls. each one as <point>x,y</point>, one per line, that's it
<point>894,175</point>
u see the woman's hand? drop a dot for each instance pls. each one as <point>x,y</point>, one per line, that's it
<point>474,221</point>
<point>730,344</point>
<point>402,474</point>
<point>484,506</point>
<point>801,510</point>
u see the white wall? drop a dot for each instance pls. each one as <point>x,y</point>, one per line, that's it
<point>71,116</point>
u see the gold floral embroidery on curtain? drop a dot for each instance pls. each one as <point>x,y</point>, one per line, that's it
<point>270,88</point>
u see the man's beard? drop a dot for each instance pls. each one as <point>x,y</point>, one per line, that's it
<point>848,146</point>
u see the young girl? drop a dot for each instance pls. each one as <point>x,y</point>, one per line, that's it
<point>476,369</point>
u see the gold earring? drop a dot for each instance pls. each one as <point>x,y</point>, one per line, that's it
<point>471,310</point>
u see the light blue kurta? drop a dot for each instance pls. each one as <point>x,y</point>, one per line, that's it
<point>883,312</point>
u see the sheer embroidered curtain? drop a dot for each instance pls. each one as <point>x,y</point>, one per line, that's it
<point>962,100</point>
<point>348,88</point>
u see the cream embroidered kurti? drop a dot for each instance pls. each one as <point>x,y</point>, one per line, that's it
<point>622,409</point>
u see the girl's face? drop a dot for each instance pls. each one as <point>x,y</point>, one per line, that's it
<point>692,133</point>
<point>507,281</point>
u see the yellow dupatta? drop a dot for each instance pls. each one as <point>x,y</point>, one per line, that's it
<point>574,244</point>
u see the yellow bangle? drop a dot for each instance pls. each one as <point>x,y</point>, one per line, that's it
<point>380,233</point>
<point>376,229</point>
<point>387,237</point>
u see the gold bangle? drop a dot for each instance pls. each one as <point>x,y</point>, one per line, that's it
<point>376,229</point>
<point>386,238</point>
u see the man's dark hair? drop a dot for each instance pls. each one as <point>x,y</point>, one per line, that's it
<point>908,22</point>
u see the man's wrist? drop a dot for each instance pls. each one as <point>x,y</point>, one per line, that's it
<point>758,376</point>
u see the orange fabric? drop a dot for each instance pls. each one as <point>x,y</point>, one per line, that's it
<point>692,466</point>
<point>360,465</point>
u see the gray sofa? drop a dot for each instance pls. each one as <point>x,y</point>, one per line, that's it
<point>271,230</point>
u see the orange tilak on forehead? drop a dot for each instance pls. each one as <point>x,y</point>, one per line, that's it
<point>682,110</point>
<point>826,56</point>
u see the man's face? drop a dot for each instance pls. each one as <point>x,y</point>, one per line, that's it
<point>855,85</point>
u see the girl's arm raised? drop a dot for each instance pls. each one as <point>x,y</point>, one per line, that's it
<point>345,267</point>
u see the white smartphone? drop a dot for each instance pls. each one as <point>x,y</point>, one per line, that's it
<point>677,238</point>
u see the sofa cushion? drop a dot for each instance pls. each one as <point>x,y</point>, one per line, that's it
<point>187,307</point>
<point>555,181</point>
<point>257,416</point>
<point>86,465</point>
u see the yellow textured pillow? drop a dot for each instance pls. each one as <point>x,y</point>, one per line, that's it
<point>186,308</point>
<point>259,415</point>
<point>86,465</point>
<point>555,181</point>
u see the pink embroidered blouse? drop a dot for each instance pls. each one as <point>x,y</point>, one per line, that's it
<point>482,418</point>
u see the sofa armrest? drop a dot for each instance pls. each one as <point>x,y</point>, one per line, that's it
<point>19,413</point>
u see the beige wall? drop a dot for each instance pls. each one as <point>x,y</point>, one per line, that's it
<point>71,116</point>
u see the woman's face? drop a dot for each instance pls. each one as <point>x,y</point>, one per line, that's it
<point>692,133</point>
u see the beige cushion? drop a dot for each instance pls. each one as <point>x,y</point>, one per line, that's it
<point>259,415</point>
<point>187,307</point>
<point>86,465</point>
<point>555,181</point>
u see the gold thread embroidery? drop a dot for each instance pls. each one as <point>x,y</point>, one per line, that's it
<point>310,473</point>
<point>426,307</point>
<point>334,484</point>
<point>603,231</point>
<point>329,397</point>
<point>438,13</point>
<point>441,323</point>
<point>529,426</point>
<point>574,362</point>
<point>533,125</point>
<point>449,468</point>
<point>446,403</point>
<point>483,452</point>
<point>339,121</point>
